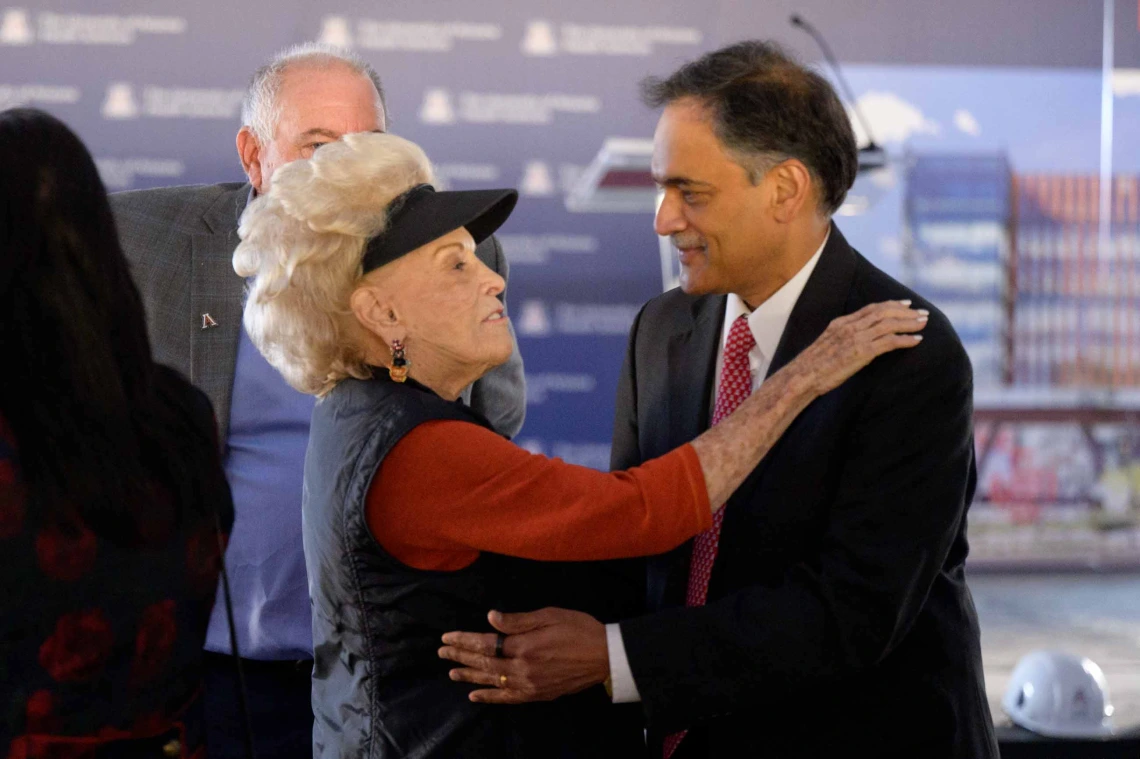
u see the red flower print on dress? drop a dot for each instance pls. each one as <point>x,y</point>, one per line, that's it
<point>39,713</point>
<point>79,647</point>
<point>154,642</point>
<point>65,555</point>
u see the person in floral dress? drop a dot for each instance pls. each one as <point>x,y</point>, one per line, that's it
<point>114,509</point>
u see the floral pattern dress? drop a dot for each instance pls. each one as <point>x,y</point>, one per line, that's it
<point>101,644</point>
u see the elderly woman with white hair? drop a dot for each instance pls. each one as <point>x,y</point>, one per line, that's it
<point>418,517</point>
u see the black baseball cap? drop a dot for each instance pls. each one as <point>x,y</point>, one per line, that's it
<point>421,215</point>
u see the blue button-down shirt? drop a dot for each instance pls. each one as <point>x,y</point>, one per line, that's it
<point>264,461</point>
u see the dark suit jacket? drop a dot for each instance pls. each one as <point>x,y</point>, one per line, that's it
<point>180,242</point>
<point>838,619</point>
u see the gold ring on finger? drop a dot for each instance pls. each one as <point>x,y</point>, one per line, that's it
<point>502,681</point>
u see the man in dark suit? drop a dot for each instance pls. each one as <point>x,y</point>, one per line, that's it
<point>828,613</point>
<point>180,241</point>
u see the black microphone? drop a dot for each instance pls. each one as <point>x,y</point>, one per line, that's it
<point>871,156</point>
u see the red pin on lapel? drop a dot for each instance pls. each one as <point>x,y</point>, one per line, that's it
<point>208,321</point>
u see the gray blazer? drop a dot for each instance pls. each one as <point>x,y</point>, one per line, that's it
<point>180,243</point>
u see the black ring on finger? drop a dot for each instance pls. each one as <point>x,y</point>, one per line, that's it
<point>499,645</point>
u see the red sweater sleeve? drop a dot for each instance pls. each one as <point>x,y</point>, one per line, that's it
<point>449,490</point>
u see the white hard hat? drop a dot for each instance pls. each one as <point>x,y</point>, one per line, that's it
<point>1059,695</point>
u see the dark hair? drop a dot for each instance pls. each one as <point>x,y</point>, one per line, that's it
<point>765,105</point>
<point>100,431</point>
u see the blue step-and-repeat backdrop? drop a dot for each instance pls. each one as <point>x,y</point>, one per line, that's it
<point>509,93</point>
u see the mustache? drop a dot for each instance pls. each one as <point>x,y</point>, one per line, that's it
<point>687,240</point>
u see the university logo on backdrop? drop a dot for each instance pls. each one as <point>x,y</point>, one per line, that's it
<point>539,39</point>
<point>336,31</point>
<point>437,107</point>
<point>123,173</point>
<point>404,35</point>
<point>543,39</point>
<point>539,249</point>
<point>16,27</point>
<point>540,386</point>
<point>537,180</point>
<point>440,107</point>
<point>534,319</point>
<point>447,175</point>
<point>17,95</point>
<point>602,319</point>
<point>122,103</point>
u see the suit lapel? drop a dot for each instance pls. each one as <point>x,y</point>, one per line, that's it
<point>692,371</point>
<point>216,294</point>
<point>691,367</point>
<point>824,298</point>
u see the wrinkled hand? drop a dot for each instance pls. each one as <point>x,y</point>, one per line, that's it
<point>851,342</point>
<point>548,653</point>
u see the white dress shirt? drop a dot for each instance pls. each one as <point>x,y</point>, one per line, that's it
<point>767,325</point>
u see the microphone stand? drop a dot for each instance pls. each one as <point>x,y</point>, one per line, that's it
<point>871,156</point>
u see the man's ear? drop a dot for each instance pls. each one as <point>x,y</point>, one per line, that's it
<point>793,189</point>
<point>249,151</point>
<point>377,313</point>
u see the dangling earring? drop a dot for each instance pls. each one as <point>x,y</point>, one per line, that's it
<point>399,369</point>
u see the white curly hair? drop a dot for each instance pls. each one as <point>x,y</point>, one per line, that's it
<point>303,243</point>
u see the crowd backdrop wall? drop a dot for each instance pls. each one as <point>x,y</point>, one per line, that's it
<point>968,98</point>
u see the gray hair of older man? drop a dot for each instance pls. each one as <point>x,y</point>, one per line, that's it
<point>260,110</point>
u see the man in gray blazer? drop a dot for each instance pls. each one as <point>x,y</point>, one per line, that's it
<point>180,241</point>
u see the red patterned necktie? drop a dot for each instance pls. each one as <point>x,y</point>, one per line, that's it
<point>735,385</point>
